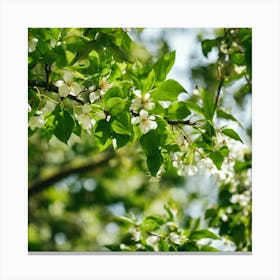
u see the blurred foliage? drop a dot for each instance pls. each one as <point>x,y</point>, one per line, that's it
<point>101,178</point>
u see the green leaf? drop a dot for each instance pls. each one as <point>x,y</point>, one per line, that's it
<point>163,245</point>
<point>167,90</point>
<point>151,223</point>
<point>150,141</point>
<point>194,107</point>
<point>208,248</point>
<point>224,151</point>
<point>238,58</point>
<point>121,124</point>
<point>147,83</point>
<point>211,213</point>
<point>121,139</point>
<point>204,233</point>
<point>113,92</point>
<point>217,159</point>
<point>157,219</point>
<point>232,134</point>
<point>169,212</point>
<point>126,220</point>
<point>162,130</point>
<point>154,162</point>
<point>209,133</point>
<point>116,73</point>
<point>77,129</point>
<point>126,40</point>
<point>94,59</point>
<point>207,45</point>
<point>113,247</point>
<point>208,104</point>
<point>222,114</point>
<point>178,111</point>
<point>102,134</point>
<point>64,127</point>
<point>190,247</point>
<point>164,65</point>
<point>115,105</point>
<point>49,127</point>
<point>242,165</point>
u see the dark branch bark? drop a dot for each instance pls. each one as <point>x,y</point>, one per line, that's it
<point>42,184</point>
<point>45,85</point>
<point>185,122</point>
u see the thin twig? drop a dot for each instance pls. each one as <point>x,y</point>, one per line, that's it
<point>185,122</point>
<point>218,93</point>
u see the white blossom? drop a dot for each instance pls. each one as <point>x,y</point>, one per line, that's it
<point>142,101</point>
<point>32,44</point>
<point>183,169</point>
<point>181,140</point>
<point>224,217</point>
<point>136,233</point>
<point>86,108</point>
<point>239,69</point>
<point>124,247</point>
<point>36,121</point>
<point>67,86</point>
<point>49,107</point>
<point>29,108</point>
<point>146,122</point>
<point>68,76</point>
<point>207,165</point>
<point>152,241</point>
<point>84,119</point>
<point>243,199</point>
<point>191,170</point>
<point>165,104</point>
<point>175,238</point>
<point>196,91</point>
<point>104,86</point>
<point>95,94</point>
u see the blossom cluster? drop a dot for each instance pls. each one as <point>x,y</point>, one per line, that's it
<point>68,86</point>
<point>38,120</point>
<point>143,102</point>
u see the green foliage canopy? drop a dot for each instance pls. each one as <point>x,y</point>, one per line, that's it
<point>103,112</point>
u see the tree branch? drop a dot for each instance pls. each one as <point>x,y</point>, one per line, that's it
<point>185,122</point>
<point>42,184</point>
<point>51,87</point>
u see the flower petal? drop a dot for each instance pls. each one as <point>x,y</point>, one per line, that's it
<point>138,93</point>
<point>144,114</point>
<point>152,124</point>
<point>67,76</point>
<point>86,108</point>
<point>149,106</point>
<point>136,104</point>
<point>59,83</point>
<point>75,89</point>
<point>144,127</point>
<point>135,120</point>
<point>93,96</point>
<point>63,90</point>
